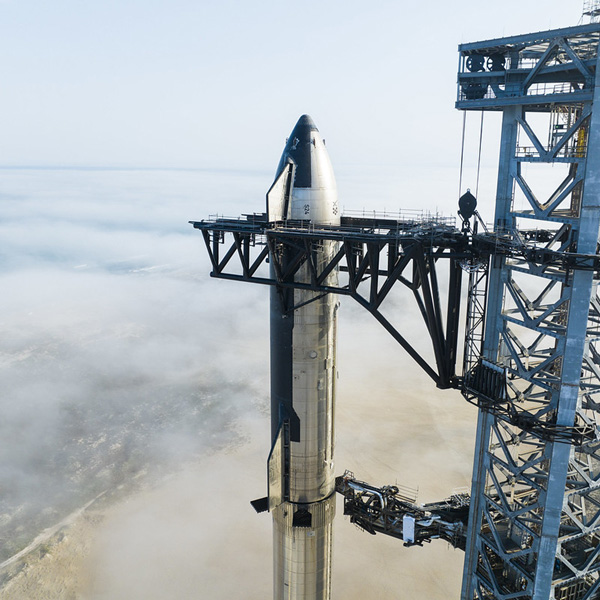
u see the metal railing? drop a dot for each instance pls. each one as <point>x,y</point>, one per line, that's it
<point>408,215</point>
<point>574,150</point>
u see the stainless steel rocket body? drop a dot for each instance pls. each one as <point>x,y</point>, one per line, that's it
<point>303,372</point>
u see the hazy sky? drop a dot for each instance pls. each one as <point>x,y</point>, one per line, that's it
<point>203,83</point>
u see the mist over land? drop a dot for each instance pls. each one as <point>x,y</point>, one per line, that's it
<point>127,371</point>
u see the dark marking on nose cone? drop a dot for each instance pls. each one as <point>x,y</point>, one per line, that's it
<point>298,149</point>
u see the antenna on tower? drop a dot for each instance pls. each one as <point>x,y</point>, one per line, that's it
<point>591,11</point>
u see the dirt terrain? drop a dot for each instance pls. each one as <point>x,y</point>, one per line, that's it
<point>154,538</point>
<point>55,568</point>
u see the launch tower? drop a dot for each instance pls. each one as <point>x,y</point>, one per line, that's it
<point>531,352</point>
<point>534,524</point>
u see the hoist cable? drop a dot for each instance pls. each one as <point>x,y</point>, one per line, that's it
<point>462,153</point>
<point>479,156</point>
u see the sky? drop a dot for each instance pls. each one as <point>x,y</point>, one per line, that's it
<point>207,84</point>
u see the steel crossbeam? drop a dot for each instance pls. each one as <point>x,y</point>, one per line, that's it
<point>375,257</point>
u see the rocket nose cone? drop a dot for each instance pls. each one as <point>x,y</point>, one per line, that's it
<point>305,122</point>
<point>301,133</point>
<point>298,148</point>
<point>312,193</point>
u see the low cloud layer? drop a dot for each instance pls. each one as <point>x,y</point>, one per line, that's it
<point>111,355</point>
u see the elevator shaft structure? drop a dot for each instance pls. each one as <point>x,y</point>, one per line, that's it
<point>534,525</point>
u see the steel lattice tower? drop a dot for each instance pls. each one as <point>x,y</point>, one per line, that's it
<point>534,525</point>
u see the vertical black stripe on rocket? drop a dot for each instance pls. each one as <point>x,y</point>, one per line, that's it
<point>282,400</point>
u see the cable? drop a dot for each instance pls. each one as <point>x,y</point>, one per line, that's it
<point>462,152</point>
<point>479,156</point>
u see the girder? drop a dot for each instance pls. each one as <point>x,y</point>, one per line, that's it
<point>374,254</point>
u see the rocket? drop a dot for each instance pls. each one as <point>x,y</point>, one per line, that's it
<point>301,482</point>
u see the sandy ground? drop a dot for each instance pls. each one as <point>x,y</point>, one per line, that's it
<point>56,568</point>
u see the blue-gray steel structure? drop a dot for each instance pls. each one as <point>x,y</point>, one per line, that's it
<point>534,525</point>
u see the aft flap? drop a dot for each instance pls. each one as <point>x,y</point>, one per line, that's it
<point>261,504</point>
